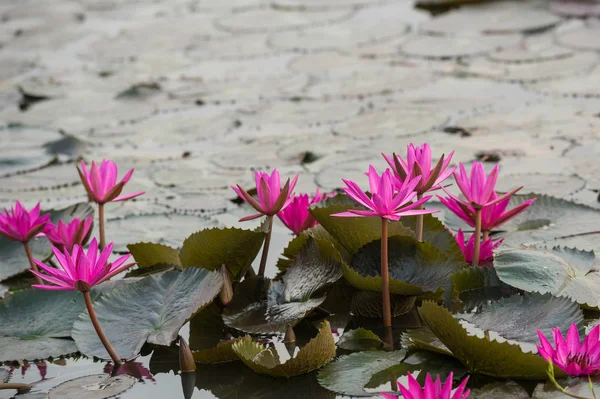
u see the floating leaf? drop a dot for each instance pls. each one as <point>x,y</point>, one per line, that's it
<point>477,285</point>
<point>152,309</point>
<point>263,306</point>
<point>312,356</point>
<point>148,254</point>
<point>415,267</point>
<point>222,353</point>
<point>359,340</point>
<point>369,304</point>
<point>35,324</point>
<point>574,385</point>
<point>206,328</point>
<point>211,248</point>
<point>436,233</point>
<point>424,339</point>
<point>98,386</point>
<point>559,271</point>
<point>481,355</point>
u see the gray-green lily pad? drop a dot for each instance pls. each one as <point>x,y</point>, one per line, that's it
<point>152,309</point>
<point>559,271</point>
<point>36,324</point>
<point>98,386</point>
<point>474,286</point>
<point>359,340</point>
<point>369,304</point>
<point>211,248</point>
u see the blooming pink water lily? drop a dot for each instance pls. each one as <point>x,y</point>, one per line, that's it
<point>80,271</point>
<point>492,216</point>
<point>477,188</point>
<point>431,389</point>
<point>418,163</point>
<point>296,216</point>
<point>572,356</point>
<point>387,201</point>
<point>19,224</point>
<point>66,236</point>
<point>487,247</point>
<point>272,198</point>
<point>100,182</point>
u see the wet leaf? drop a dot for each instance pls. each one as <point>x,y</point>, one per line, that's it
<point>314,355</point>
<point>206,328</point>
<point>35,324</point>
<point>98,386</point>
<point>437,234</point>
<point>152,309</point>
<point>359,340</point>
<point>574,385</point>
<point>474,286</point>
<point>559,271</point>
<point>481,355</point>
<point>211,248</point>
<point>369,304</point>
<point>424,339</point>
<point>222,353</point>
<point>415,268</point>
<point>148,254</point>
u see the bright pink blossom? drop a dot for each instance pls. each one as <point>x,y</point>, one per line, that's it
<point>19,224</point>
<point>272,198</point>
<point>573,357</point>
<point>296,215</point>
<point>100,182</point>
<point>431,389</point>
<point>80,270</point>
<point>477,188</point>
<point>418,163</point>
<point>385,201</point>
<point>492,216</point>
<point>486,251</point>
<point>65,236</point>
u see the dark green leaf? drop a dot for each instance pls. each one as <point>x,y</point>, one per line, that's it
<point>477,285</point>
<point>369,304</point>
<point>359,340</point>
<point>436,233</point>
<point>147,254</point>
<point>424,339</point>
<point>152,309</point>
<point>206,328</point>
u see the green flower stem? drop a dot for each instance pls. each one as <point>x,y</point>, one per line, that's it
<point>420,221</point>
<point>31,262</point>
<point>385,276</point>
<point>265,251</point>
<point>111,351</point>
<point>101,226</point>
<point>477,233</point>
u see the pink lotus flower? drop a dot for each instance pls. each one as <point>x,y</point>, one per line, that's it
<point>66,236</point>
<point>487,247</point>
<point>431,390</point>
<point>385,202</point>
<point>18,224</point>
<point>477,189</point>
<point>296,215</point>
<point>492,216</point>
<point>570,355</point>
<point>272,198</point>
<point>418,163</point>
<point>100,182</point>
<point>80,270</point>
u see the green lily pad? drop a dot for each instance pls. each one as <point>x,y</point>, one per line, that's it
<point>211,248</point>
<point>206,328</point>
<point>351,233</point>
<point>559,271</point>
<point>314,355</point>
<point>260,305</point>
<point>36,324</point>
<point>436,233</point>
<point>359,340</point>
<point>474,286</point>
<point>148,254</point>
<point>518,317</point>
<point>424,339</point>
<point>222,353</point>
<point>415,267</point>
<point>481,355</point>
<point>369,304</point>
<point>152,309</point>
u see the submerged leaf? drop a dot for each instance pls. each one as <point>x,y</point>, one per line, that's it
<point>312,356</point>
<point>559,271</point>
<point>152,309</point>
<point>211,248</point>
<point>359,340</point>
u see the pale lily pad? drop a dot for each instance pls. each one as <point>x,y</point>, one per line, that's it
<point>36,324</point>
<point>152,309</point>
<point>318,352</point>
<point>99,386</point>
<point>359,340</point>
<point>559,271</point>
<point>211,248</point>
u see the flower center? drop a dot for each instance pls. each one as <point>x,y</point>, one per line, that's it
<point>581,359</point>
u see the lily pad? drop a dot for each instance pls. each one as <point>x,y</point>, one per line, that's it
<point>559,271</point>
<point>212,248</point>
<point>415,267</point>
<point>369,304</point>
<point>436,233</point>
<point>206,328</point>
<point>152,309</point>
<point>263,306</point>
<point>318,352</point>
<point>474,286</point>
<point>359,340</point>
<point>481,355</point>
<point>36,324</point>
<point>222,353</point>
<point>148,254</point>
<point>97,386</point>
<point>424,339</point>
